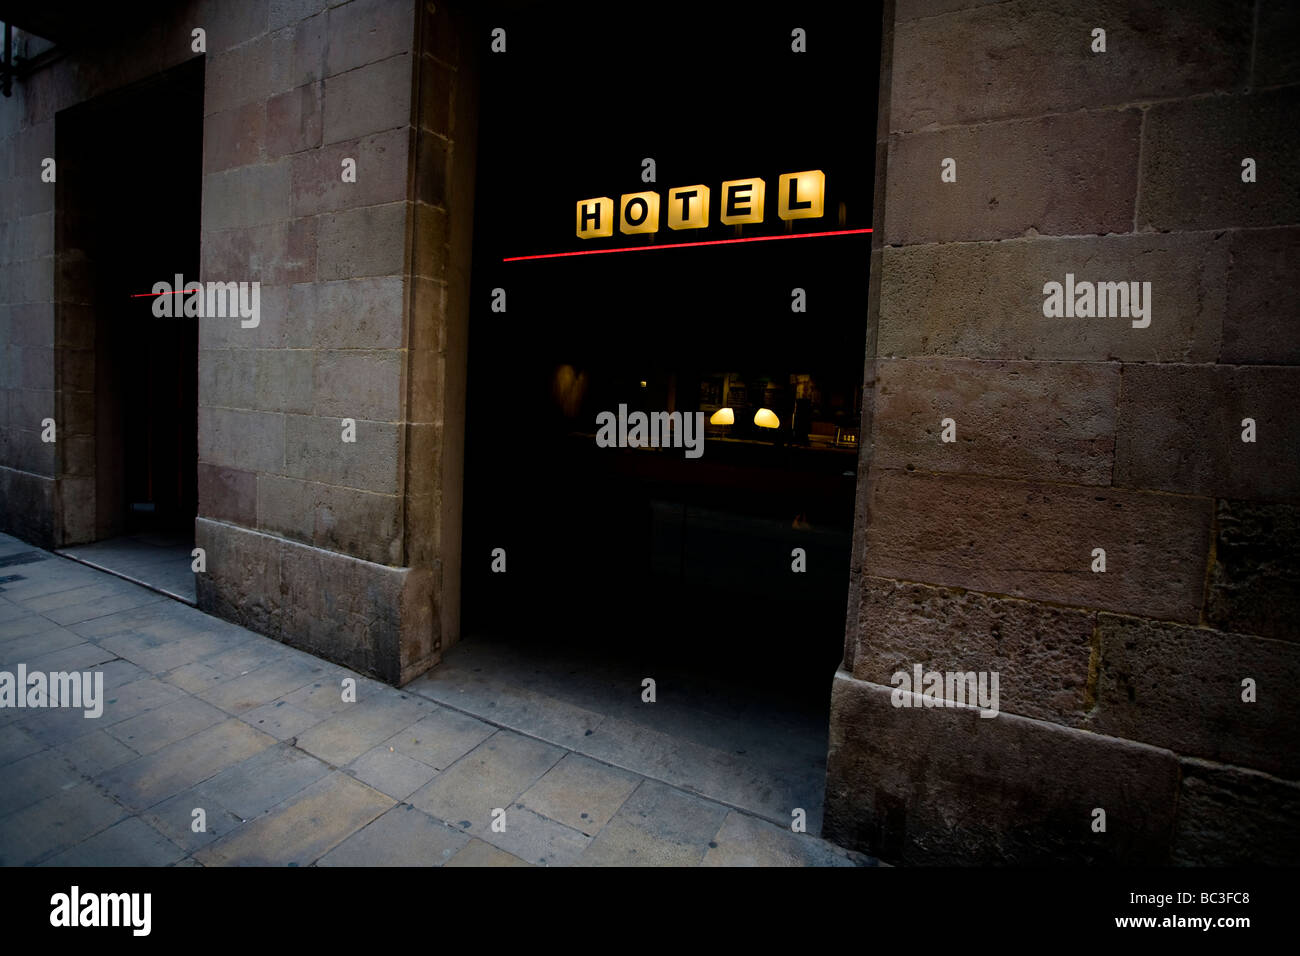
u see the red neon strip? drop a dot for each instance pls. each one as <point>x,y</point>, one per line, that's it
<point>140,295</point>
<point>684,245</point>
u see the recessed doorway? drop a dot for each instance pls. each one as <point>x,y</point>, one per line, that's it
<point>722,577</point>
<point>128,205</point>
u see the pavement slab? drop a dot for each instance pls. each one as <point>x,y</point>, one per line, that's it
<point>301,830</point>
<point>473,765</point>
<point>404,836</point>
<point>489,777</point>
<point>580,793</point>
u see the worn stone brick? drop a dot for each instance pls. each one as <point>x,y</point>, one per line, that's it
<point>230,24</point>
<point>76,323</point>
<point>275,253</point>
<point>293,120</point>
<point>429,302</point>
<point>1180,430</point>
<point>238,76</point>
<point>32,324</point>
<point>353,522</point>
<point>315,450</point>
<point>35,367</point>
<point>1020,178</point>
<point>227,494</point>
<point>275,328</point>
<point>75,413</point>
<point>1040,420</point>
<point>30,406</point>
<point>27,452</point>
<point>234,137</point>
<point>227,253</point>
<point>935,786</point>
<point>344,520</point>
<point>437,90</point>
<point>364,31</point>
<point>426,443</point>
<point>381,174</point>
<point>1200,187</point>
<point>1254,580</point>
<point>247,196</point>
<point>1029,57</point>
<point>284,507</point>
<point>77,369</point>
<point>30,237</point>
<point>242,439</point>
<point>344,610</point>
<point>1040,653</point>
<point>358,383</point>
<point>78,455</point>
<point>34,199</point>
<point>299,262</point>
<point>426,611</point>
<point>443,35</point>
<point>368,99</point>
<point>1262,323</point>
<point>284,380</point>
<point>282,13</point>
<point>29,511</point>
<point>433,155</point>
<point>33,280</point>
<point>362,242</point>
<point>298,54</point>
<point>242,583</point>
<point>1180,687</point>
<point>352,313</point>
<point>1035,541</point>
<point>1233,817</point>
<point>431,253</point>
<point>31,146</point>
<point>281,326</point>
<point>985,300</point>
<point>228,378</point>
<point>77,500</point>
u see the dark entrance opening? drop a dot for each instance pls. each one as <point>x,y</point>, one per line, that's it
<point>130,196</point>
<point>628,563</point>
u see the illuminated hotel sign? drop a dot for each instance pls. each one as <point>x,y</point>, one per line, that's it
<point>799,196</point>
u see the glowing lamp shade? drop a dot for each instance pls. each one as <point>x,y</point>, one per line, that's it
<point>723,416</point>
<point>766,418</point>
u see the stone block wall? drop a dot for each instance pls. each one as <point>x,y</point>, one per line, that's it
<point>337,547</point>
<point>28,466</point>
<point>1121,690</point>
<point>303,530</point>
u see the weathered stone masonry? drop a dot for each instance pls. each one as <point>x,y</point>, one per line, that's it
<point>337,548</point>
<point>1120,690</point>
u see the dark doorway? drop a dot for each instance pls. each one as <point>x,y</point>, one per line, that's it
<point>643,561</point>
<point>130,195</point>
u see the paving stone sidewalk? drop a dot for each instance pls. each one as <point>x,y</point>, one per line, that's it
<point>201,714</point>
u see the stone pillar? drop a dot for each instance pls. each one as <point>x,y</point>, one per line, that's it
<point>29,467</point>
<point>444,144</point>
<point>348,549</point>
<point>1120,690</point>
